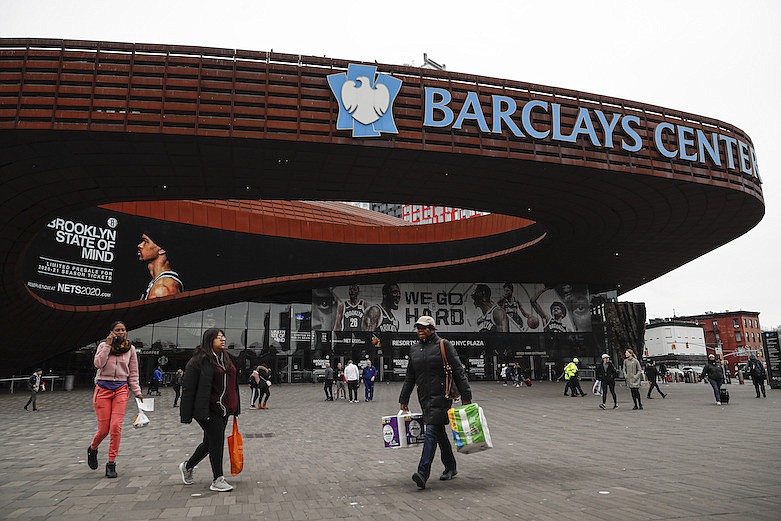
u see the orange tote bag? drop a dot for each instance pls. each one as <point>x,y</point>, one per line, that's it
<point>236,449</point>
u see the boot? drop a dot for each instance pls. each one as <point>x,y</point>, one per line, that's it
<point>111,469</point>
<point>92,458</point>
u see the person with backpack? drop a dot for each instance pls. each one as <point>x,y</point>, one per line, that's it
<point>758,375</point>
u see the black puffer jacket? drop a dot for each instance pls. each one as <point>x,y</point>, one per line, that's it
<point>427,371</point>
<point>197,389</point>
<point>712,371</point>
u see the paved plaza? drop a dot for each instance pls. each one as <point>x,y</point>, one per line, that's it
<point>554,458</point>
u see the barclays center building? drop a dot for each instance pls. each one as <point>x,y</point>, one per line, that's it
<point>183,188</point>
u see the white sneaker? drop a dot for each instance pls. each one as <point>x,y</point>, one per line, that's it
<point>220,485</point>
<point>187,474</point>
<point>718,403</point>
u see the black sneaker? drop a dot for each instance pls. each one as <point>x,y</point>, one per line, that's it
<point>92,458</point>
<point>448,475</point>
<point>419,481</point>
<point>111,469</point>
<point>648,398</point>
<point>602,406</point>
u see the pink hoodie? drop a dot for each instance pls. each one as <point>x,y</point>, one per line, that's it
<point>120,368</point>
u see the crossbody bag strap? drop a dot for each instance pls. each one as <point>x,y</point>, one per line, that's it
<point>448,370</point>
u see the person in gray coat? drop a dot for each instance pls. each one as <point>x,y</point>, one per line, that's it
<point>633,374</point>
<point>426,370</point>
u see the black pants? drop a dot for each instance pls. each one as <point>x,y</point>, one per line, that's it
<point>178,391</point>
<point>254,394</point>
<point>611,385</point>
<point>328,388</point>
<point>654,384</point>
<point>574,384</point>
<point>213,444</point>
<point>34,398</point>
<point>265,394</point>
<point>758,385</point>
<point>636,397</point>
<point>352,387</point>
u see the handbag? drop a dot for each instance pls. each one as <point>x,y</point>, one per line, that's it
<point>268,383</point>
<point>236,449</point>
<point>451,389</point>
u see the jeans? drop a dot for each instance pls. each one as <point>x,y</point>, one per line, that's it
<point>110,410</point>
<point>435,435</point>
<point>34,398</point>
<point>213,444</point>
<point>716,384</point>
<point>369,391</point>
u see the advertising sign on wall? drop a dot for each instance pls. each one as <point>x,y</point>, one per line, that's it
<point>458,307</point>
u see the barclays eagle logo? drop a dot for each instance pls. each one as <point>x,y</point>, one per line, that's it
<point>365,103</point>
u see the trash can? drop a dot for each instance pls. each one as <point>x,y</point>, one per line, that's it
<point>69,378</point>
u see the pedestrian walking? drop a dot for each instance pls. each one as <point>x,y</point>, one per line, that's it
<point>328,383</point>
<point>426,370</point>
<point>757,372</point>
<point>254,388</point>
<point>715,375</point>
<point>34,386</point>
<point>264,387</point>
<point>210,393</point>
<point>176,383</point>
<point>633,374</point>
<point>157,381</point>
<point>340,382</point>
<point>606,373</point>
<point>353,377</point>
<point>117,369</point>
<point>652,373</point>
<point>369,375</point>
<point>571,375</point>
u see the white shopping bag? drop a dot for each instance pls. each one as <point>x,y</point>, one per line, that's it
<point>147,405</point>
<point>140,420</point>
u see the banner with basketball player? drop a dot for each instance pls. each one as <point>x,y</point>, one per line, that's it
<point>460,307</point>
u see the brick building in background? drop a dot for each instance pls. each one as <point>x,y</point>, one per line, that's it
<point>736,332</point>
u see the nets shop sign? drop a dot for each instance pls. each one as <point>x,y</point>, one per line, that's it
<point>366,107</point>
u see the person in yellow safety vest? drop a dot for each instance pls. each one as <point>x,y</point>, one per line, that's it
<point>571,376</point>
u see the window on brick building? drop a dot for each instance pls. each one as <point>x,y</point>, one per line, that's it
<point>736,322</point>
<point>737,336</point>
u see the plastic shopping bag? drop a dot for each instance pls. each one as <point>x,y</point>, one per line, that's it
<point>470,429</point>
<point>597,389</point>
<point>140,420</point>
<point>236,449</point>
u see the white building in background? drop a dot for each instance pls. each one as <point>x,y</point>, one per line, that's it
<point>671,337</point>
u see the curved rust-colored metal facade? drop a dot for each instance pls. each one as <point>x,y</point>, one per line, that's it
<point>93,123</point>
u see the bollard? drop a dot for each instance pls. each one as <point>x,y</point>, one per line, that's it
<point>741,377</point>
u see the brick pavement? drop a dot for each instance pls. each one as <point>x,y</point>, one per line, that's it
<point>555,458</point>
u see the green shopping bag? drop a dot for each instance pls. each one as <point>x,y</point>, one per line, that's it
<point>470,428</point>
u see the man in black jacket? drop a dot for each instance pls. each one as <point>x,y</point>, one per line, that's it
<point>33,385</point>
<point>426,369</point>
<point>652,373</point>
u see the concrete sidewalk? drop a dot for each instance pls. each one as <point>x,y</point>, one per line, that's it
<point>554,458</point>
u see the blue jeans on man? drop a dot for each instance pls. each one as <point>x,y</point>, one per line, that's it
<point>432,436</point>
<point>716,384</point>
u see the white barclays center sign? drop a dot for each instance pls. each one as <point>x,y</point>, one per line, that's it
<point>366,107</point>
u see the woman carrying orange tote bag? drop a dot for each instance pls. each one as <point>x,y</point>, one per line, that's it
<point>236,449</point>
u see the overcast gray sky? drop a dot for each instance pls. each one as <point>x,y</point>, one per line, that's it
<point>711,57</point>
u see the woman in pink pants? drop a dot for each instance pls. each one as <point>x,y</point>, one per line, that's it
<point>117,366</point>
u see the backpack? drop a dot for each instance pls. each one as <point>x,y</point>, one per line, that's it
<point>757,371</point>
